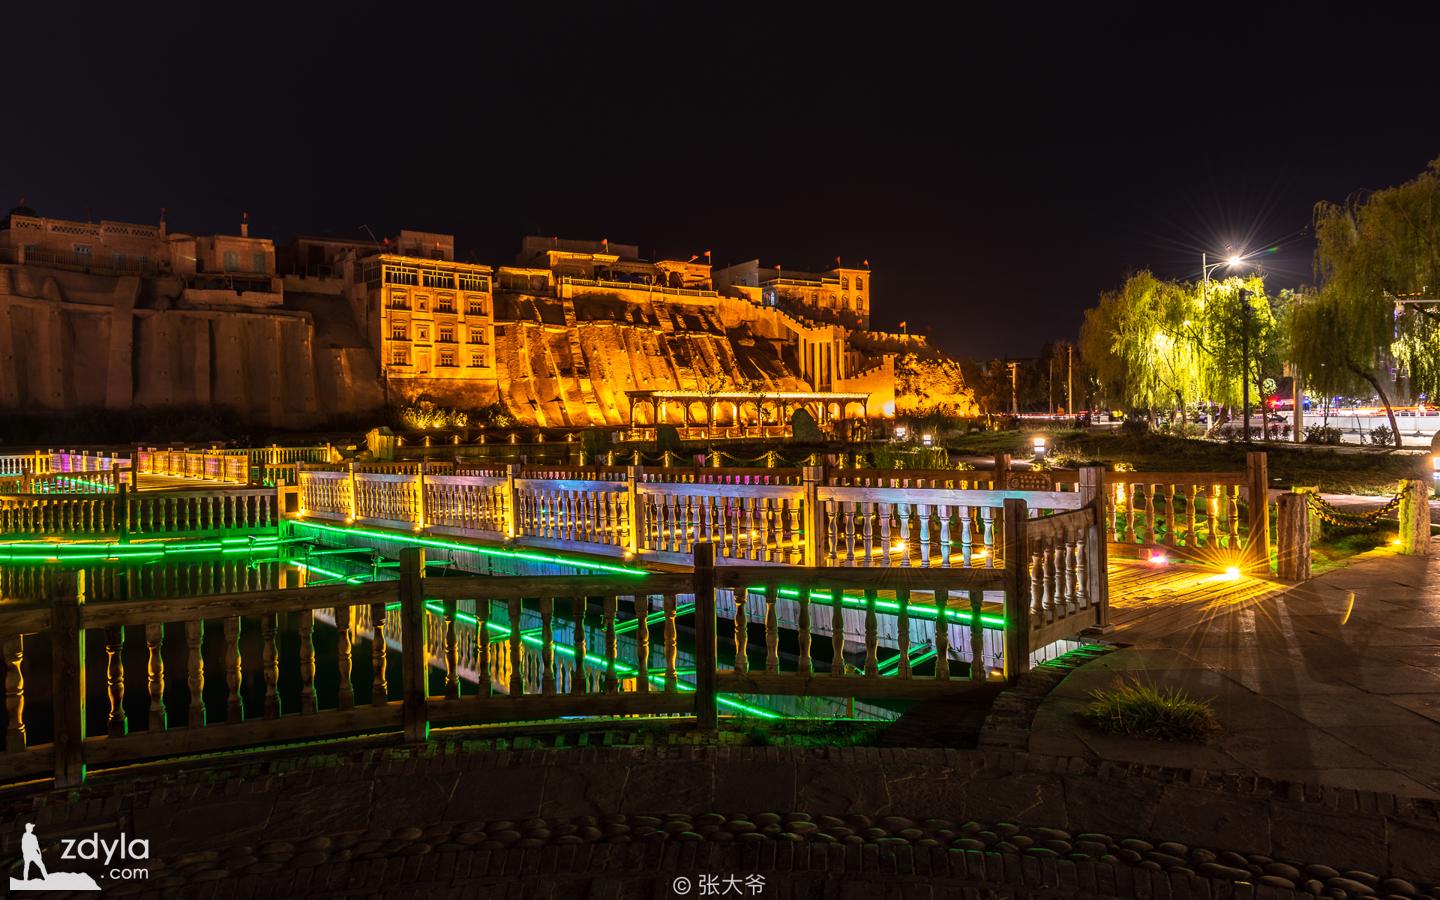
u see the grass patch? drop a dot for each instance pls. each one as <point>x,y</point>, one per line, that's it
<point>1138,709</point>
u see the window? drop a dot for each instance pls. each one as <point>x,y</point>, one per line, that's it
<point>422,333</point>
<point>82,249</point>
<point>447,359</point>
<point>401,275</point>
<point>447,334</point>
<point>257,262</point>
<point>472,282</point>
<point>422,303</point>
<point>119,260</point>
<point>445,303</point>
<point>432,278</point>
<point>476,336</point>
<point>477,360</point>
<point>474,306</point>
<point>859,282</point>
<point>844,282</point>
<point>398,332</point>
<point>399,356</point>
<point>399,300</point>
<point>232,260</point>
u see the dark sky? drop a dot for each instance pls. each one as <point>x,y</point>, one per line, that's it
<point>998,170</point>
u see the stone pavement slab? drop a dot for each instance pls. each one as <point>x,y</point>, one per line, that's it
<point>1336,680</point>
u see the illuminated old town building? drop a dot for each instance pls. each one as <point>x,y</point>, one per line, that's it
<point>119,315</point>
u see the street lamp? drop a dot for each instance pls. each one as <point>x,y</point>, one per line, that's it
<point>1206,267</point>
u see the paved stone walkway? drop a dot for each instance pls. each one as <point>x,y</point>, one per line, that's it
<point>1334,681</point>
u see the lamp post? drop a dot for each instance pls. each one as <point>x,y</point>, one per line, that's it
<point>1206,267</point>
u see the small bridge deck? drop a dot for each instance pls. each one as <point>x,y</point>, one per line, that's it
<point>1146,600</point>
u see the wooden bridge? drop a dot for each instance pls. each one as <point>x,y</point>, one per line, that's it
<point>809,562</point>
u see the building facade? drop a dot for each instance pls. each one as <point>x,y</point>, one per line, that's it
<point>430,318</point>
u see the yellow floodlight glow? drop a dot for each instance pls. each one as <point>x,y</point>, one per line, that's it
<point>1232,573</point>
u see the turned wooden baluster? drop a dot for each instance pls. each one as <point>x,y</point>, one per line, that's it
<point>671,644</point>
<point>942,635</point>
<point>977,637</point>
<point>1053,548</point>
<point>885,544</point>
<point>270,662</point>
<point>944,513</point>
<point>922,516</point>
<point>194,676</point>
<point>1170,515</point>
<point>772,630</point>
<point>612,646</point>
<point>515,607</point>
<point>1149,491</point>
<point>837,632</point>
<point>547,645</point>
<point>14,652</point>
<point>742,636</point>
<point>987,521</point>
<point>482,648</point>
<point>867,522</point>
<point>379,688</point>
<point>1234,504</point>
<point>305,626</point>
<point>1037,582</point>
<point>344,642</point>
<point>872,640</point>
<point>902,631</point>
<point>154,640</point>
<point>117,725</point>
<point>578,682</point>
<point>805,667</point>
<point>452,651</point>
<point>234,703</point>
<point>642,642</point>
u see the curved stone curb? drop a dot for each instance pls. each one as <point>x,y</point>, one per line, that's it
<point>1007,727</point>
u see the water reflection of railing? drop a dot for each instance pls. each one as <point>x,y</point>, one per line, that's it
<point>535,684</point>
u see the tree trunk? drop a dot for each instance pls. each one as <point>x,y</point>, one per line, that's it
<point>1389,411</point>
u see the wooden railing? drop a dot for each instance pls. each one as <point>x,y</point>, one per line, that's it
<point>261,465</point>
<point>517,673</point>
<point>1192,512</point>
<point>129,514</point>
<point>768,516</point>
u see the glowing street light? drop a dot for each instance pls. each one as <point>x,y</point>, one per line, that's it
<point>1232,261</point>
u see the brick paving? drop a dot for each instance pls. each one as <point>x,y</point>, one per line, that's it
<point>502,817</point>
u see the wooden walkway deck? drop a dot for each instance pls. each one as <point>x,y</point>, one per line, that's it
<point>1148,601</point>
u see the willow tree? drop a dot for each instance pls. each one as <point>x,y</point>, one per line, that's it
<point>1136,345</point>
<point>1372,251</point>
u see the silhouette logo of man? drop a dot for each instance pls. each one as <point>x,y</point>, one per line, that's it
<point>48,881</point>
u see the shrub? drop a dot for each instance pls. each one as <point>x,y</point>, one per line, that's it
<point>1382,436</point>
<point>1138,709</point>
<point>1134,425</point>
<point>1322,434</point>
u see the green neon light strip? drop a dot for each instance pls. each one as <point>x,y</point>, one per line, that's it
<point>887,606</point>
<point>598,661</point>
<point>81,551</point>
<point>917,656</point>
<point>484,551</point>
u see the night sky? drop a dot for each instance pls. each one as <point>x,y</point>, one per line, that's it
<point>997,172</point>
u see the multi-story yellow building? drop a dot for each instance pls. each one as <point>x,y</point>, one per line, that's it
<point>430,318</point>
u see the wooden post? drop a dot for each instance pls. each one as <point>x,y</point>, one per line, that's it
<point>1096,492</point>
<point>814,522</point>
<point>1017,589</point>
<point>1292,537</point>
<point>414,648</point>
<point>1415,518</point>
<point>707,714</point>
<point>67,665</point>
<point>1257,484</point>
<point>122,510</point>
<point>632,509</point>
<point>1002,471</point>
<point>354,504</point>
<point>512,513</point>
<point>420,497</point>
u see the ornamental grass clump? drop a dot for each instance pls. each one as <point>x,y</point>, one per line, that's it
<point>1135,708</point>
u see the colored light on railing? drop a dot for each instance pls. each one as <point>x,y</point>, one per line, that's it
<point>1159,559</point>
<point>1232,572</point>
<point>888,606</point>
<point>474,548</point>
